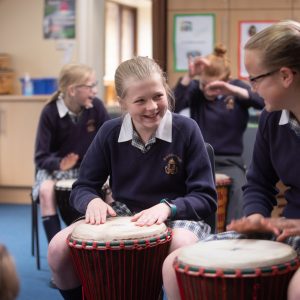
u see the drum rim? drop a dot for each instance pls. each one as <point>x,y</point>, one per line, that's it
<point>121,244</point>
<point>247,272</point>
<point>224,183</point>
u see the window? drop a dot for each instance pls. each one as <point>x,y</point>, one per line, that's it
<point>120,42</point>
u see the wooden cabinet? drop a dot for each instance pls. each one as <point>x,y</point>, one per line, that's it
<point>19,118</point>
<point>18,123</point>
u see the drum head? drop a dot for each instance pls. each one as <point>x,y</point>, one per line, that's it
<point>236,254</point>
<point>116,229</point>
<point>222,179</point>
<point>65,184</point>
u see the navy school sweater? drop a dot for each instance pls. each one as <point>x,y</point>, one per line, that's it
<point>179,171</point>
<point>222,126</point>
<point>275,157</point>
<point>56,137</point>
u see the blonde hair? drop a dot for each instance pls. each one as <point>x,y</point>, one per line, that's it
<point>72,74</point>
<point>279,45</point>
<point>140,68</point>
<point>9,281</point>
<point>218,64</point>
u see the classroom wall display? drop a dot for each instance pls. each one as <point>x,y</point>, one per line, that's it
<point>59,19</point>
<point>193,35</point>
<point>246,30</point>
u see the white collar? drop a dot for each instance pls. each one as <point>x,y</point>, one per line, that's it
<point>163,132</point>
<point>61,107</point>
<point>285,117</point>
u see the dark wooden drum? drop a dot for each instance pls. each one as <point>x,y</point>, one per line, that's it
<point>62,192</point>
<point>119,260</point>
<point>235,270</point>
<point>223,184</point>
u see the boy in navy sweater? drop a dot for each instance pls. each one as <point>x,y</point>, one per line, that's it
<point>220,106</point>
<point>273,63</point>
<point>67,126</point>
<point>157,163</point>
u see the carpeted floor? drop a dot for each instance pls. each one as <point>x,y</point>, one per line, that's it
<point>15,233</point>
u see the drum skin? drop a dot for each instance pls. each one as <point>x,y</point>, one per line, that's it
<point>235,270</point>
<point>119,260</point>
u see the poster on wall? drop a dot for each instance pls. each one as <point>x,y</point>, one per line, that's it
<point>59,19</point>
<point>246,30</point>
<point>194,35</point>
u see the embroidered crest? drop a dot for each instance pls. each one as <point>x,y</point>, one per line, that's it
<point>172,165</point>
<point>91,125</point>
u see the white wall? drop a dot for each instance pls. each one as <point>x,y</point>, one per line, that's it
<point>21,36</point>
<point>144,25</point>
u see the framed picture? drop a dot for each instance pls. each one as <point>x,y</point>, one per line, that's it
<point>59,19</point>
<point>193,35</point>
<point>246,30</point>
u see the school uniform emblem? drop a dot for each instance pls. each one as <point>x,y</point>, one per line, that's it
<point>91,125</point>
<point>172,164</point>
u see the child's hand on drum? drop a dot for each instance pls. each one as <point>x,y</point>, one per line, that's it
<point>282,227</point>
<point>69,161</point>
<point>97,211</point>
<point>251,224</point>
<point>154,215</point>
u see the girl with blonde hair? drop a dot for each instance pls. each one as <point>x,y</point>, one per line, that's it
<point>67,125</point>
<point>9,280</point>
<point>158,166</point>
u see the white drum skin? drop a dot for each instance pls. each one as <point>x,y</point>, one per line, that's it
<point>64,184</point>
<point>116,228</point>
<point>236,254</point>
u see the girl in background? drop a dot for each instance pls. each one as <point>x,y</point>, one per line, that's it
<point>220,107</point>
<point>67,126</point>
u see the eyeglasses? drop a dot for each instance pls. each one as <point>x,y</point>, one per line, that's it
<point>253,80</point>
<point>89,86</point>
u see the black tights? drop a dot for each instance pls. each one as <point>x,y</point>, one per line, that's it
<point>73,294</point>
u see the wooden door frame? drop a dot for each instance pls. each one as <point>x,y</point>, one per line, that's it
<point>159,32</point>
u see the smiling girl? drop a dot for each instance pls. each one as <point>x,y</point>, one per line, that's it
<point>68,124</point>
<point>157,163</point>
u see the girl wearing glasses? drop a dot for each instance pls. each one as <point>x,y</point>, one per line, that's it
<point>273,63</point>
<point>220,107</point>
<point>67,125</point>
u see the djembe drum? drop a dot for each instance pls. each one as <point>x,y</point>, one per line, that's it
<point>235,270</point>
<point>62,193</point>
<point>223,183</point>
<point>118,260</point>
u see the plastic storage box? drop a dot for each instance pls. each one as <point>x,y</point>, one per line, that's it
<point>42,86</point>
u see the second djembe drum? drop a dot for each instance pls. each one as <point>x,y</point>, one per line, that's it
<point>235,270</point>
<point>118,260</point>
